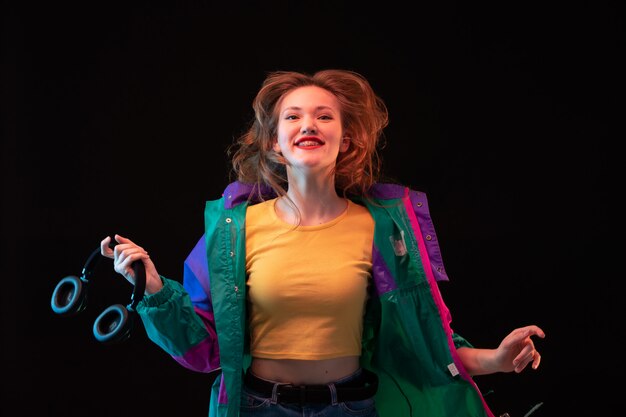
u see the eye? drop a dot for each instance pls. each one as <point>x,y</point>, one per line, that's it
<point>291,117</point>
<point>325,117</point>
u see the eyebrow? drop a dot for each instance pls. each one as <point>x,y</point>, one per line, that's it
<point>318,108</point>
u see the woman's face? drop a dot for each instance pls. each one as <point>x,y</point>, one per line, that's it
<point>310,132</point>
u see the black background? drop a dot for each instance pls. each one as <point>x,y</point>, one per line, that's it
<point>116,118</point>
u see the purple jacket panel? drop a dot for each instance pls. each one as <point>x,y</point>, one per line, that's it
<point>205,356</point>
<point>419,202</point>
<point>237,193</point>
<point>196,277</point>
<point>420,207</point>
<point>382,277</point>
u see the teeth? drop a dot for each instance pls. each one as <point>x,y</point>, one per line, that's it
<point>308,143</point>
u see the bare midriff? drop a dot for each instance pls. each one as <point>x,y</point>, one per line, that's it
<point>304,372</point>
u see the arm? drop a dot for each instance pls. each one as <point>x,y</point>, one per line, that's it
<point>514,353</point>
<point>177,318</point>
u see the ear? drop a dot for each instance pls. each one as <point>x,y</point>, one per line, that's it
<point>276,147</point>
<point>345,143</point>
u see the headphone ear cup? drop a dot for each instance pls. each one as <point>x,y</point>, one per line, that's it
<point>69,296</point>
<point>113,325</point>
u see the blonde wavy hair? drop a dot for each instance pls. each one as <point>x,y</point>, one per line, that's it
<point>364,116</point>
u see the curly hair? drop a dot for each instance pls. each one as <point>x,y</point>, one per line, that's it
<point>363,114</point>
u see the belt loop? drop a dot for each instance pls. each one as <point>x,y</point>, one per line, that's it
<point>274,398</point>
<point>303,398</point>
<point>333,393</point>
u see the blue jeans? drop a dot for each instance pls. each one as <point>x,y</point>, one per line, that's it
<point>254,404</point>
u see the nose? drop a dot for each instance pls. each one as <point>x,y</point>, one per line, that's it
<point>308,127</point>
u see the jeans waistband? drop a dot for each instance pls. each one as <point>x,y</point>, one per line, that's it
<point>360,388</point>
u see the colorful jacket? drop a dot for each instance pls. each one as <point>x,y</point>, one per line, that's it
<point>407,338</point>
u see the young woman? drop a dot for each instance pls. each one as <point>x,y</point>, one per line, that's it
<point>314,287</point>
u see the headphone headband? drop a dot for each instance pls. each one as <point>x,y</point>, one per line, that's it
<point>115,322</point>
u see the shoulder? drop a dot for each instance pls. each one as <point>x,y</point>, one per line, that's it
<point>385,198</point>
<point>260,209</point>
<point>238,192</point>
<point>390,191</point>
<point>357,208</point>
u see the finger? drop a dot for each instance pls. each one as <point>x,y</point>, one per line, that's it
<point>122,239</point>
<point>521,365</point>
<point>525,356</point>
<point>105,249</point>
<point>536,360</point>
<point>123,244</point>
<point>126,265</point>
<point>517,336</point>
<point>125,251</point>
<point>533,330</point>
<point>534,357</point>
<point>519,368</point>
<point>524,334</point>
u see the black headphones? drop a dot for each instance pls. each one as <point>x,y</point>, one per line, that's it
<point>114,324</point>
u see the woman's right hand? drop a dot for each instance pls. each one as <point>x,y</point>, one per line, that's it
<point>124,253</point>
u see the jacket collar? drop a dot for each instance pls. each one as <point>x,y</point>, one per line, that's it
<point>238,192</point>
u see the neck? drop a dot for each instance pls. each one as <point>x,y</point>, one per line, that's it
<point>316,202</point>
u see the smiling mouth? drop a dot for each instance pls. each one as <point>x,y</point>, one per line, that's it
<point>307,142</point>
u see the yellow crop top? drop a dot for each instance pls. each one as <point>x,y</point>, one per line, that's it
<point>307,285</point>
